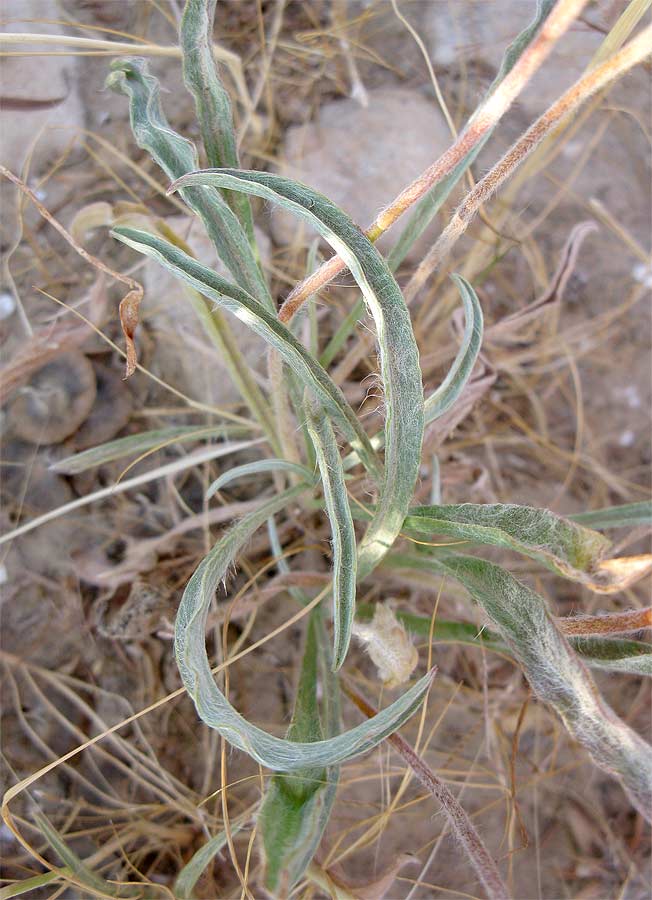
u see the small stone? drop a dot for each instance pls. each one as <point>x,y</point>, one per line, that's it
<point>362,157</point>
<point>7,304</point>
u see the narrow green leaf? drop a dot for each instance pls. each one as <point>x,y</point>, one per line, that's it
<point>459,373</point>
<point>139,443</point>
<point>212,102</point>
<point>193,869</point>
<point>17,888</point>
<point>176,155</point>
<point>263,323</point>
<point>254,468</point>
<point>296,807</point>
<point>399,357</point>
<point>212,706</point>
<point>561,545</point>
<point>629,515</point>
<point>342,531</point>
<point>78,869</point>
<point>555,672</point>
<point>615,654</point>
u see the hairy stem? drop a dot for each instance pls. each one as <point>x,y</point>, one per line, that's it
<point>479,125</point>
<point>598,78</point>
<point>460,823</point>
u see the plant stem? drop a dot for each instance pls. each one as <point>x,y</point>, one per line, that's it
<point>596,79</point>
<point>460,823</point>
<point>611,623</point>
<point>478,126</point>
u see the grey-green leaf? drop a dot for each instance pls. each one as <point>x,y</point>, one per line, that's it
<point>561,545</point>
<point>342,531</point>
<point>555,672</point>
<point>212,102</point>
<point>399,357</point>
<point>628,515</point>
<point>254,468</point>
<point>459,373</point>
<point>176,155</point>
<point>263,323</point>
<point>193,869</point>
<point>213,707</point>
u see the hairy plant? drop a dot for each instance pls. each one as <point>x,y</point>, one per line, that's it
<point>325,480</point>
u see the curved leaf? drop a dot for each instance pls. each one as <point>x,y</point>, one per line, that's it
<point>399,357</point>
<point>555,672</point>
<point>253,468</point>
<point>263,323</point>
<point>188,877</point>
<point>564,546</point>
<point>176,155</point>
<point>459,373</point>
<point>213,707</point>
<point>342,531</point>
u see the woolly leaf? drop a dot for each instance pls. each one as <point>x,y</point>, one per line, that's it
<point>263,323</point>
<point>212,102</point>
<point>399,358</point>
<point>342,532</point>
<point>254,468</point>
<point>555,672</point>
<point>213,707</point>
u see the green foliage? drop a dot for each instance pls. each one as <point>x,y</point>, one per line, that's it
<point>296,807</point>
<point>341,522</point>
<point>561,545</point>
<point>300,794</point>
<point>263,323</point>
<point>399,357</point>
<point>554,671</point>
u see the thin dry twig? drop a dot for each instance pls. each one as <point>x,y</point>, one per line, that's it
<point>462,827</point>
<point>596,79</point>
<point>479,125</point>
<point>129,303</point>
<point>610,623</point>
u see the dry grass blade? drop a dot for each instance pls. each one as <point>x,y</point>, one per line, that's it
<point>179,465</point>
